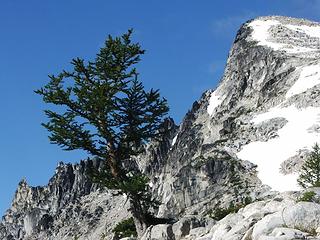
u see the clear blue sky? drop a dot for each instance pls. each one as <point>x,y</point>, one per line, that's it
<point>187,43</point>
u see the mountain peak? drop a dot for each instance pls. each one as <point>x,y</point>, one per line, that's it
<point>285,34</point>
<point>271,81</point>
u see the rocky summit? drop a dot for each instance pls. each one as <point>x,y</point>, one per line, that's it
<point>228,171</point>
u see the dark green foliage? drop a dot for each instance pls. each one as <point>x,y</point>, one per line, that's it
<point>219,213</point>
<point>310,171</point>
<point>307,197</point>
<point>247,201</point>
<point>104,101</point>
<point>103,109</point>
<point>125,228</point>
<point>135,185</point>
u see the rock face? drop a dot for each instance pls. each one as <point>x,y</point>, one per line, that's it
<point>237,143</point>
<point>67,207</point>
<point>277,218</point>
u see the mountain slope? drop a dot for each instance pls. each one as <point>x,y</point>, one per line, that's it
<point>238,142</point>
<point>273,72</point>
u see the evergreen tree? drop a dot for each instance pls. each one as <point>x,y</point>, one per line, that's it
<point>104,110</point>
<point>310,171</point>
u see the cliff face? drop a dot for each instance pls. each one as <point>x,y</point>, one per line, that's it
<point>263,114</point>
<point>68,200</point>
<point>240,141</point>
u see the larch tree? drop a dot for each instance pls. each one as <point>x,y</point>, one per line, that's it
<point>310,170</point>
<point>103,109</point>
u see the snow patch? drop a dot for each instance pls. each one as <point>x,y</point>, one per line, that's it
<point>174,140</point>
<point>309,77</point>
<point>260,32</point>
<point>312,31</point>
<point>214,101</point>
<point>294,136</point>
<point>262,36</point>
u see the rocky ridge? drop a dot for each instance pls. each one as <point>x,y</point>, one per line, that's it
<point>270,85</point>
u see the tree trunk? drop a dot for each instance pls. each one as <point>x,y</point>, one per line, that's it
<point>139,214</point>
<point>112,161</point>
<point>139,217</point>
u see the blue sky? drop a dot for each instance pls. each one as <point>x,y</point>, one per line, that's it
<point>187,44</point>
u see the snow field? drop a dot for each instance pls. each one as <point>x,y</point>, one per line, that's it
<point>309,77</point>
<point>262,36</point>
<point>214,101</point>
<point>295,135</point>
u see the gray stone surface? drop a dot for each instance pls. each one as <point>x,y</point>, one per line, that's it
<point>161,231</point>
<point>278,218</point>
<point>303,215</point>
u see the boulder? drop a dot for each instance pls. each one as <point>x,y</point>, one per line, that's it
<point>304,216</point>
<point>157,232</point>
<point>186,224</point>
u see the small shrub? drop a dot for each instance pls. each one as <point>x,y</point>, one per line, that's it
<point>219,213</point>
<point>125,228</point>
<point>311,231</point>
<point>247,200</point>
<point>307,197</point>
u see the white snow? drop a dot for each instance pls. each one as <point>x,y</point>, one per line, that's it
<point>174,140</point>
<point>291,138</point>
<point>261,35</point>
<point>312,31</point>
<point>214,102</point>
<point>260,32</point>
<point>309,77</point>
